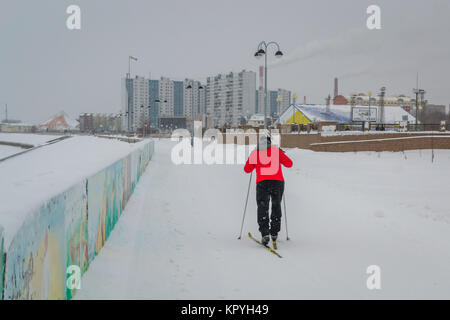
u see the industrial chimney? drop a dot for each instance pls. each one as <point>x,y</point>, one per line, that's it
<point>336,89</point>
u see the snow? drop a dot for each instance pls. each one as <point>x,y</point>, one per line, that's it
<point>177,238</point>
<point>30,179</point>
<point>6,151</point>
<point>27,138</point>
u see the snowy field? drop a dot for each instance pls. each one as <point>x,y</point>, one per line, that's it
<point>34,177</point>
<point>177,238</point>
<point>6,151</point>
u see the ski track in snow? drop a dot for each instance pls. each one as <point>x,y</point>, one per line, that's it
<point>177,238</point>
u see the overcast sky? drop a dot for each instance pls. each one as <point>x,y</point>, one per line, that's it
<point>45,68</point>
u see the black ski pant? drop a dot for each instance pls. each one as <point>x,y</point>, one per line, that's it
<point>267,190</point>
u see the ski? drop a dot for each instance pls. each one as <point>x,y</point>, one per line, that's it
<point>267,247</point>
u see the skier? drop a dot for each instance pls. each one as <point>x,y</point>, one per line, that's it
<point>267,161</point>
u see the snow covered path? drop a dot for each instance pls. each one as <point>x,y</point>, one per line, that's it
<point>177,238</point>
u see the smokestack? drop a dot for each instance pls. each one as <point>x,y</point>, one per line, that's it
<point>336,89</point>
<point>304,99</point>
<point>261,77</point>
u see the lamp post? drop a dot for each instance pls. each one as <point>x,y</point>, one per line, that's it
<point>381,95</point>
<point>159,120</point>
<point>262,51</point>
<point>141,118</point>
<point>370,113</point>
<point>418,91</point>
<point>421,106</point>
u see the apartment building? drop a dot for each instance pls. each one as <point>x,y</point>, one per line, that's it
<point>230,97</point>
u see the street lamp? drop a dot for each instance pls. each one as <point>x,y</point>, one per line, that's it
<point>422,105</point>
<point>381,95</point>
<point>418,91</point>
<point>370,114</point>
<point>260,52</point>
<point>159,101</point>
<point>142,122</point>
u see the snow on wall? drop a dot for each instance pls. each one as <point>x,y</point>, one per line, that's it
<point>70,229</point>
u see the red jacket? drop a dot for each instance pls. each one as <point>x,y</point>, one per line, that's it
<point>268,164</point>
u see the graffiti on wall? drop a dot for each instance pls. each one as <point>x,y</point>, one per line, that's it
<point>54,237</point>
<point>76,232</point>
<point>105,197</point>
<point>69,229</point>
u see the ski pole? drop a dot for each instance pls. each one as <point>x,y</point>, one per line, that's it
<point>246,201</point>
<point>285,216</point>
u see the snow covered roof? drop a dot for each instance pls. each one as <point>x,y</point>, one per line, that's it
<point>257,117</point>
<point>342,113</point>
<point>60,121</point>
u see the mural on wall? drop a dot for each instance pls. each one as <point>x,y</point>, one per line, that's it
<point>2,261</point>
<point>105,196</point>
<point>35,257</point>
<point>70,229</point>
<point>76,231</point>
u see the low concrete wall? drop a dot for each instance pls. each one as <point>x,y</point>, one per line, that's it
<point>70,229</point>
<point>386,141</point>
<point>304,141</point>
<point>385,144</point>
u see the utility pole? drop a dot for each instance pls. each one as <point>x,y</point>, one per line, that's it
<point>6,113</point>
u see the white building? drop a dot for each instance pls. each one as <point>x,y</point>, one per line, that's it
<point>193,98</point>
<point>166,96</point>
<point>285,96</point>
<point>159,98</point>
<point>135,102</point>
<point>230,97</point>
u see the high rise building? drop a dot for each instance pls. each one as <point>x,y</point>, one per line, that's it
<point>230,97</point>
<point>165,97</point>
<point>285,100</point>
<point>135,102</point>
<point>193,96</point>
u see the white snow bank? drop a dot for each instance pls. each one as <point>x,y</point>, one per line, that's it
<point>34,177</point>
<point>6,151</point>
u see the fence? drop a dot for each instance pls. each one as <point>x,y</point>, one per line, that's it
<point>68,230</point>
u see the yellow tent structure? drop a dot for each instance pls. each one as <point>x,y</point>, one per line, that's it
<point>294,114</point>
